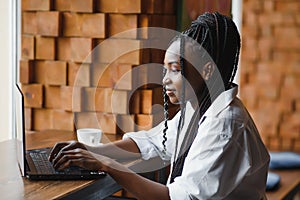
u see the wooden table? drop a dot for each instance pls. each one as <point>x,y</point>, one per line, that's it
<point>14,186</point>
<point>289,185</point>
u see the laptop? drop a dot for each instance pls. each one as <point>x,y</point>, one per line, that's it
<point>34,164</point>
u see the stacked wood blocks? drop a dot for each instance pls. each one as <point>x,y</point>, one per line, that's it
<point>65,87</point>
<point>270,75</point>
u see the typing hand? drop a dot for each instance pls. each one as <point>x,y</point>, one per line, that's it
<point>64,146</point>
<point>80,158</point>
<point>73,153</point>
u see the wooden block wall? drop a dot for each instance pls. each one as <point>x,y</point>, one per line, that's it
<point>66,87</point>
<point>270,70</point>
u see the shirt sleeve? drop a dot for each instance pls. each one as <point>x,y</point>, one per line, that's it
<point>214,166</point>
<point>150,142</point>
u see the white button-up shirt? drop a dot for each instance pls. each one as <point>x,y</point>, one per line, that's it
<point>227,159</point>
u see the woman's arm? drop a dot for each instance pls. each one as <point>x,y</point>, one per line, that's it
<point>139,186</point>
<point>122,149</point>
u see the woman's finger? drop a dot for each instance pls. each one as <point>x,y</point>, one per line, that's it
<point>66,146</point>
<point>61,161</point>
<point>56,149</point>
<point>78,157</point>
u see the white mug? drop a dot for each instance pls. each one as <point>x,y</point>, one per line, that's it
<point>89,136</point>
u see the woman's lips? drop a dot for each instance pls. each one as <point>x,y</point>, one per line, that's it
<point>170,92</point>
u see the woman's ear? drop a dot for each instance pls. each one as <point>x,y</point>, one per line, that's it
<point>208,70</point>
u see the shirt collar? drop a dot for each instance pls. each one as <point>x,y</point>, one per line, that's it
<point>222,101</point>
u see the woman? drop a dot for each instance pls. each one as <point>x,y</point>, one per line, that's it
<point>212,143</point>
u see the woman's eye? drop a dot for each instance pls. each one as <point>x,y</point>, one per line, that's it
<point>176,70</point>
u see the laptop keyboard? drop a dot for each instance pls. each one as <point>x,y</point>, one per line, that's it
<point>44,166</point>
<point>42,163</point>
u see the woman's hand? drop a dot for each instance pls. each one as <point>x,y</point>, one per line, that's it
<point>64,146</point>
<point>73,153</point>
<point>79,157</point>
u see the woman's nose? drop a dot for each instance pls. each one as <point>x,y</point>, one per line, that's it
<point>166,79</point>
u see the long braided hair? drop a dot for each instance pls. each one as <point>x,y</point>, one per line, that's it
<point>219,37</point>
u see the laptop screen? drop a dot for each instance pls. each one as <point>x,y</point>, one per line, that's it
<point>19,127</point>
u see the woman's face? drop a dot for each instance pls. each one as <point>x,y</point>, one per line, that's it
<point>173,78</point>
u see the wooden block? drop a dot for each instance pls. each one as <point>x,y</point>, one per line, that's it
<point>26,71</point>
<point>28,118</point>
<point>63,120</point>
<point>36,5</point>
<point>84,25</point>
<point>275,143</point>
<point>33,95</point>
<point>78,74</point>
<point>287,144</point>
<point>27,45</point>
<point>56,73</point>
<point>45,48</point>
<point>42,119</point>
<point>119,102</point>
<point>71,25</point>
<point>71,98</point>
<point>89,99</point>
<point>100,73</point>
<point>151,101</point>
<point>297,145</point>
<point>106,122</point>
<point>48,23</point>
<point>152,6</point>
<point>290,126</point>
<point>93,25</point>
<point>79,6</point>
<point>121,51</point>
<point>146,122</point>
<point>119,6</point>
<point>125,123</point>
<point>134,102</point>
<point>103,98</point>
<point>62,5</point>
<point>122,76</point>
<point>86,6</point>
<point>118,23</point>
<point>52,97</point>
<point>29,25</point>
<point>81,49</point>
<point>64,48</point>
<point>51,72</point>
<point>40,68</point>
<point>155,20</point>
<point>118,76</point>
<point>144,23</point>
<point>97,99</point>
<point>249,96</point>
<point>86,120</point>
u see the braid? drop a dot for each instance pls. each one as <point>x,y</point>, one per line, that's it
<point>166,115</point>
<point>183,103</point>
<point>236,59</point>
